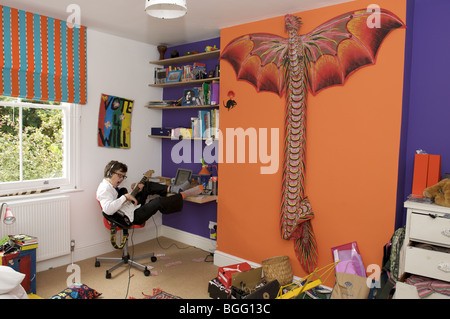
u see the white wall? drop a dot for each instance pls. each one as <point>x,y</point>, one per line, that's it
<point>119,67</point>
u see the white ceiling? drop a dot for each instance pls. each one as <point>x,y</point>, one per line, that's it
<point>205,18</point>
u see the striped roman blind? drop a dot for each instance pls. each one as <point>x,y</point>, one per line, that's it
<point>41,58</point>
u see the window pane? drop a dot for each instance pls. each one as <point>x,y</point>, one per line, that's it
<point>43,152</point>
<point>9,144</point>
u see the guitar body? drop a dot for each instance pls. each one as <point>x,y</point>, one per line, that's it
<point>128,208</point>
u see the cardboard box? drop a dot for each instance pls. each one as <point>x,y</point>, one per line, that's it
<point>225,273</point>
<point>247,280</point>
<point>427,172</point>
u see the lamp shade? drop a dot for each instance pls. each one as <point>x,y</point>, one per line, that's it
<point>166,9</point>
<point>8,217</point>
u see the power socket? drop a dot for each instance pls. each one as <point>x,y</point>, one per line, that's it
<point>72,245</point>
<point>212,225</point>
<point>213,230</point>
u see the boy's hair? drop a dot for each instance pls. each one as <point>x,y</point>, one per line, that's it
<point>114,166</point>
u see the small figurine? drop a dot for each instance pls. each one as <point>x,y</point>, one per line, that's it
<point>210,48</point>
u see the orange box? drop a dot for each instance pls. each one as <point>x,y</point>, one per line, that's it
<point>427,172</point>
<point>420,174</point>
<point>434,170</point>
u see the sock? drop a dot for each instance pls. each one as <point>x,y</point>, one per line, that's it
<point>192,191</point>
<point>180,188</point>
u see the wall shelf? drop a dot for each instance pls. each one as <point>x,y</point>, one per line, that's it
<point>188,58</point>
<point>183,138</point>
<point>184,83</point>
<point>165,107</point>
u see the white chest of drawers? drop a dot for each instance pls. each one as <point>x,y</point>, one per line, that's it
<point>427,239</point>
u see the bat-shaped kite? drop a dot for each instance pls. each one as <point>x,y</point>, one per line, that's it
<point>324,57</point>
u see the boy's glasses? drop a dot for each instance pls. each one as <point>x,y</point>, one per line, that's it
<point>121,175</point>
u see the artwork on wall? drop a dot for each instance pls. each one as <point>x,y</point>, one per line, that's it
<point>293,66</point>
<point>114,121</point>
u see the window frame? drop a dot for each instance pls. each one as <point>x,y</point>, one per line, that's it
<point>70,179</point>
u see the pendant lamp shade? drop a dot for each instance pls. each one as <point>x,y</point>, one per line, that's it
<point>166,9</point>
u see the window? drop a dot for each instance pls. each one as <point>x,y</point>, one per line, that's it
<point>37,145</point>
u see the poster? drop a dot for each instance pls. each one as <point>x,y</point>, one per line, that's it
<point>114,122</point>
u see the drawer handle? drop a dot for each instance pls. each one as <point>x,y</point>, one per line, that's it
<point>446,232</point>
<point>444,267</point>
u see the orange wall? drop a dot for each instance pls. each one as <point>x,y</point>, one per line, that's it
<point>353,138</point>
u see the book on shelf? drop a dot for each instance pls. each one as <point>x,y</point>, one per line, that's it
<point>214,93</point>
<point>215,123</point>
<point>195,126</point>
<point>206,124</point>
<point>163,103</point>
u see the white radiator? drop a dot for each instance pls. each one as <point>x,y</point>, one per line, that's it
<point>47,218</point>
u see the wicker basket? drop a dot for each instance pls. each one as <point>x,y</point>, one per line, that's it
<point>278,268</point>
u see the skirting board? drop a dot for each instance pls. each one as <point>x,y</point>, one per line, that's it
<point>187,238</point>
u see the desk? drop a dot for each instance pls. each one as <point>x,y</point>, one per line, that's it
<point>201,199</point>
<point>24,262</point>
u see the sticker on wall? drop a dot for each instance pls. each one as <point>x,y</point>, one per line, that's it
<point>230,102</point>
<point>114,121</point>
<point>293,66</point>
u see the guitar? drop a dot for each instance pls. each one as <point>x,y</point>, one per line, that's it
<point>128,208</point>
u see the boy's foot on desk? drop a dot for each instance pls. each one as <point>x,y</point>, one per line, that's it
<point>197,190</point>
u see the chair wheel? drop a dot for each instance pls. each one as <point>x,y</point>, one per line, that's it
<point>97,263</point>
<point>147,272</point>
<point>108,275</point>
<point>153,259</point>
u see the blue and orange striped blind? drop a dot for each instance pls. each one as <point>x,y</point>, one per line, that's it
<point>41,58</point>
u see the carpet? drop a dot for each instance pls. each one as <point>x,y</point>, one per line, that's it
<point>158,293</point>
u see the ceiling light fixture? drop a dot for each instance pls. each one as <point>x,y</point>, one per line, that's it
<point>166,9</point>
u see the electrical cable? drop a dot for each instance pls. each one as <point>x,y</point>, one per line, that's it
<point>174,244</point>
<point>129,264</point>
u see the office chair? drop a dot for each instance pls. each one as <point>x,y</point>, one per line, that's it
<point>114,225</point>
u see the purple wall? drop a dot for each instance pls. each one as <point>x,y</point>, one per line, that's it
<point>426,107</point>
<point>194,218</point>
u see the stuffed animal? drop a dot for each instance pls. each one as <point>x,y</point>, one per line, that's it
<point>440,192</point>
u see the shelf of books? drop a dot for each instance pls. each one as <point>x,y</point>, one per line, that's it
<point>205,126</point>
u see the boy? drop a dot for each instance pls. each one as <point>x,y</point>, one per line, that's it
<point>113,200</point>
